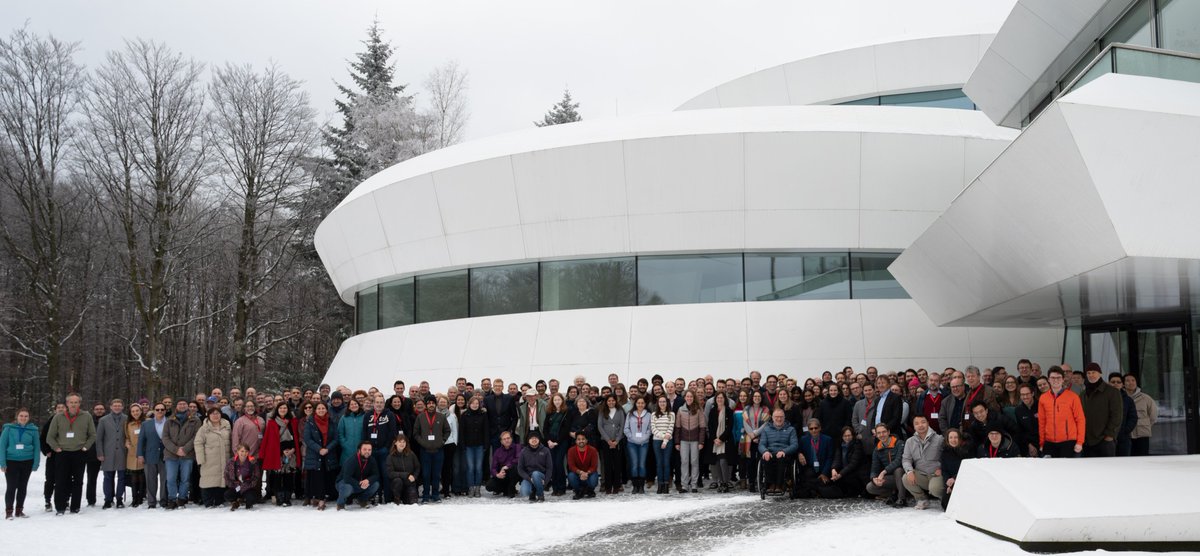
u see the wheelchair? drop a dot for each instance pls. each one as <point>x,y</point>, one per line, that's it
<point>789,474</point>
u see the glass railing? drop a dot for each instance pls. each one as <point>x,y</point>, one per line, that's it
<point>1131,59</point>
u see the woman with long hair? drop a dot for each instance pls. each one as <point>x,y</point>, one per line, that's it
<point>558,439</point>
<point>1010,397</point>
<point>720,436</point>
<point>320,457</point>
<point>623,400</point>
<point>403,471</point>
<point>754,416</point>
<point>279,457</point>
<point>637,443</point>
<point>457,465</point>
<point>19,458</point>
<point>662,425</point>
<point>690,431</point>
<point>472,435</point>
<point>953,453</point>
<point>136,469</point>
<point>350,427</point>
<point>611,424</point>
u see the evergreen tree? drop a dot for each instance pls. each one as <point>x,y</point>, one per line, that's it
<point>564,111</point>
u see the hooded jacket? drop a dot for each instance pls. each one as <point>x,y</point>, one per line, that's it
<point>26,437</point>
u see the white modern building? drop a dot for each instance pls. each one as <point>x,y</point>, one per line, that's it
<point>752,228</point>
<point>1086,221</point>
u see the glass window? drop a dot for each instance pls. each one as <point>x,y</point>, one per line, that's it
<point>1133,28</point>
<point>367,309</point>
<point>396,303</point>
<point>797,276</point>
<point>1079,66</point>
<point>674,279</point>
<point>500,290</point>
<point>870,278</point>
<point>869,101</point>
<point>950,98</point>
<point>1179,25</point>
<point>442,296</point>
<point>1101,67</point>
<point>589,283</point>
<point>1157,64</point>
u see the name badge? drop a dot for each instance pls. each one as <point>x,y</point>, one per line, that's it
<point>966,417</point>
<point>260,436</point>
<point>20,446</point>
<point>804,429</point>
<point>137,432</point>
<point>933,415</point>
<point>429,438</point>
<point>70,435</point>
<point>374,436</point>
<point>638,435</point>
<point>864,422</point>
<point>816,464</point>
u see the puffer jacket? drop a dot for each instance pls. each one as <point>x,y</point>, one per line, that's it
<point>923,454</point>
<point>402,464</point>
<point>689,427</point>
<point>778,439</point>
<point>350,431</point>
<point>1007,449</point>
<point>1061,418</point>
<point>888,456</point>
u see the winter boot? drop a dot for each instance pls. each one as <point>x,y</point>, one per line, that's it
<point>20,512</point>
<point>8,513</point>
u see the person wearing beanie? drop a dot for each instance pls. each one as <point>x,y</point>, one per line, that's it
<point>1103,411</point>
<point>998,444</point>
<point>337,406</point>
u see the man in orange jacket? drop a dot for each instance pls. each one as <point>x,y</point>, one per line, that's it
<point>1061,423</point>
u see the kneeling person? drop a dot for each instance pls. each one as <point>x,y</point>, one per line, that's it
<point>360,476</point>
<point>582,464</point>
<point>403,468</point>
<point>923,463</point>
<point>242,477</point>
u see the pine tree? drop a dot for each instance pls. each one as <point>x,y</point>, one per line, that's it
<point>562,112</point>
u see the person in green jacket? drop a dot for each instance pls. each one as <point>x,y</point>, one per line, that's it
<point>350,426</point>
<point>19,457</point>
<point>70,435</point>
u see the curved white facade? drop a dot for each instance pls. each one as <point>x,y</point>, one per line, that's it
<point>925,64</point>
<point>754,179</point>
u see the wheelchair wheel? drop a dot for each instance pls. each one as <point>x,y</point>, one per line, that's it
<point>762,485</point>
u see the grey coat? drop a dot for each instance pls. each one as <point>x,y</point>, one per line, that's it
<point>611,429</point>
<point>110,441</point>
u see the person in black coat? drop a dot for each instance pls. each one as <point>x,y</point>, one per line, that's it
<point>359,476</point>
<point>1026,435</point>
<point>582,420</point>
<point>834,410</point>
<point>893,408</point>
<point>502,412</point>
<point>850,468</point>
<point>954,451</point>
<point>983,419</point>
<point>380,427</point>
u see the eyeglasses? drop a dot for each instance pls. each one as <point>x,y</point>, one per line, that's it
<point>159,410</point>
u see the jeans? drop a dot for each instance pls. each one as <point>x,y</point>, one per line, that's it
<point>637,459</point>
<point>574,481</point>
<point>109,494</point>
<point>179,475</point>
<point>536,485</point>
<point>662,460</point>
<point>474,465</point>
<point>348,490</point>
<point>431,474</point>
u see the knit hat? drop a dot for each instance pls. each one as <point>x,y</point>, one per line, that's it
<point>1093,366</point>
<point>995,427</point>
<point>914,383</point>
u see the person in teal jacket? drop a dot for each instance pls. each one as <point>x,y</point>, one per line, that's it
<point>350,426</point>
<point>19,457</point>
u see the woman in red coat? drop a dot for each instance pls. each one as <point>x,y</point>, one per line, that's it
<point>279,455</point>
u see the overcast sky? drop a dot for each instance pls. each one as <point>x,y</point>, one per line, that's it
<point>617,57</point>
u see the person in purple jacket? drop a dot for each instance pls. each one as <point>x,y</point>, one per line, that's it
<point>504,479</point>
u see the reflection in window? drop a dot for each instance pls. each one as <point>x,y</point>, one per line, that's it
<point>797,276</point>
<point>672,279</point>
<point>589,283</point>
<point>871,279</point>
<point>396,303</point>
<point>1179,25</point>
<point>1133,28</point>
<point>947,98</point>
<point>367,309</point>
<point>500,290</point>
<point>442,296</point>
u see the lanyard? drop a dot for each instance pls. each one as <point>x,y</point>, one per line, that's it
<point>431,418</point>
<point>974,394</point>
<point>870,404</point>
<point>582,455</point>
<point>816,445</point>
<point>71,420</point>
<point>362,467</point>
<point>992,451</point>
<point>374,422</point>
<point>639,419</point>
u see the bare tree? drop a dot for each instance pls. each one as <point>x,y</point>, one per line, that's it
<point>144,149</point>
<point>262,130</point>
<point>447,88</point>
<point>40,91</point>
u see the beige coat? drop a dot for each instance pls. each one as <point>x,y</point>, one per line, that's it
<point>132,433</point>
<point>212,451</point>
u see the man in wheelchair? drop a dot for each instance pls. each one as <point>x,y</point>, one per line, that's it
<point>777,445</point>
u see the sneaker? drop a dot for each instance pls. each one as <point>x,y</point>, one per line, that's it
<point>58,514</point>
<point>922,504</point>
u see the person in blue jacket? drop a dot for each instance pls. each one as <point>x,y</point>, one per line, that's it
<point>777,445</point>
<point>150,454</point>
<point>19,457</point>
<point>815,459</point>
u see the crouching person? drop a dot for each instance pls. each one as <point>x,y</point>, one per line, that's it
<point>535,467</point>
<point>242,479</point>
<point>922,463</point>
<point>504,478</point>
<point>583,462</point>
<point>403,468</point>
<point>360,477</point>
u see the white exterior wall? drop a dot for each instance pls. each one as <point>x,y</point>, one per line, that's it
<point>802,338</point>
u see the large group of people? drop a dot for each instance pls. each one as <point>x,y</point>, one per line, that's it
<point>898,437</point>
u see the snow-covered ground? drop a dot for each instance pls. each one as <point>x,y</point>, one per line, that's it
<point>650,524</point>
